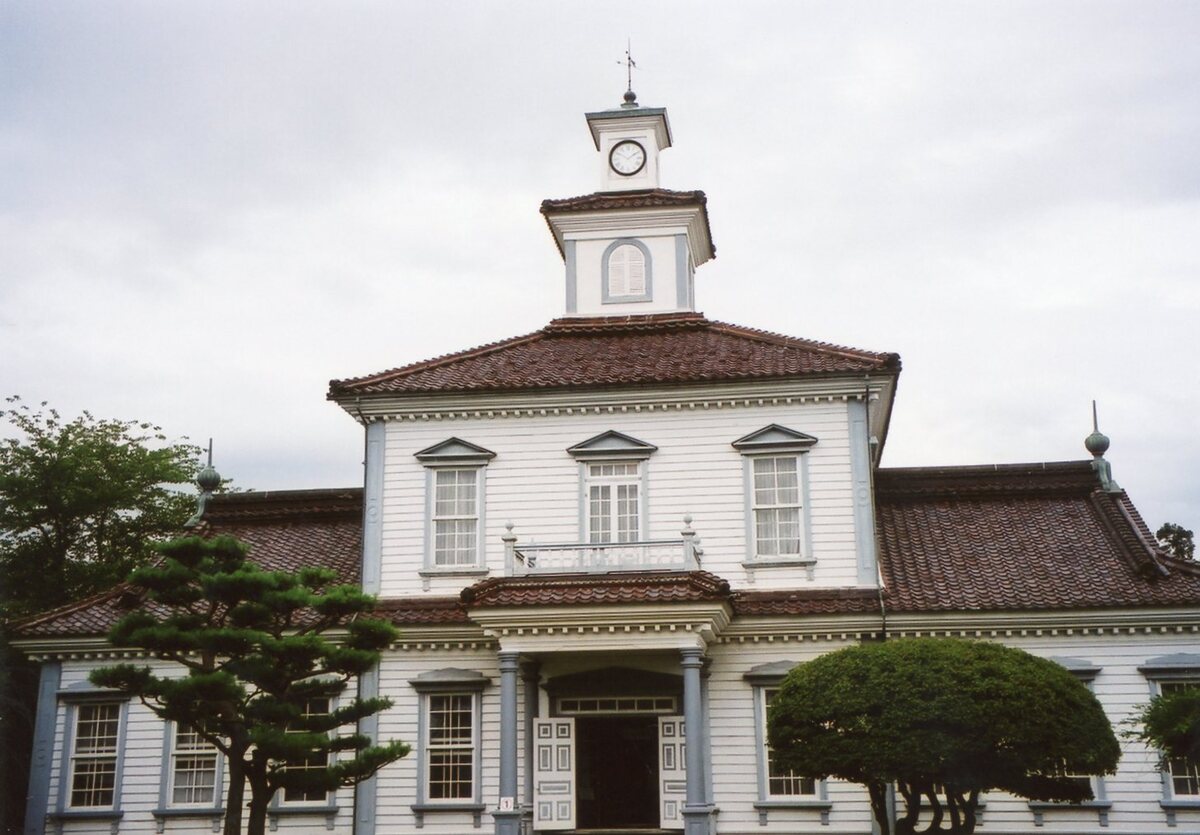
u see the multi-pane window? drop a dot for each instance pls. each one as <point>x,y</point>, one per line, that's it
<point>613,493</point>
<point>1184,772</point>
<point>450,751</point>
<point>94,754</point>
<point>626,272</point>
<point>316,761</point>
<point>776,503</point>
<point>780,782</point>
<point>193,769</point>
<point>456,517</point>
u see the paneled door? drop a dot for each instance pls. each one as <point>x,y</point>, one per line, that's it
<point>672,772</point>
<point>554,773</point>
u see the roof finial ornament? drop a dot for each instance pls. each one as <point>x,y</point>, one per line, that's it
<point>208,480</point>
<point>630,96</point>
<point>1097,444</point>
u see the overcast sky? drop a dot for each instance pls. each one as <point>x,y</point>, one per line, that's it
<point>208,210</point>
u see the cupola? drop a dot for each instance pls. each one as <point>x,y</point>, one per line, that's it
<point>632,247</point>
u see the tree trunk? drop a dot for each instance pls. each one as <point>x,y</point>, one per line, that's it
<point>236,800</point>
<point>879,807</point>
<point>260,797</point>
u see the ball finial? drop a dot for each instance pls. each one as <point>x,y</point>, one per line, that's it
<point>1096,443</point>
<point>631,98</point>
<point>208,479</point>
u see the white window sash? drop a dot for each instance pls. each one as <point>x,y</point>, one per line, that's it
<point>805,788</point>
<point>451,527</point>
<point>451,754</point>
<point>608,514</point>
<point>201,752</point>
<point>323,707</point>
<point>772,515</point>
<point>94,762</point>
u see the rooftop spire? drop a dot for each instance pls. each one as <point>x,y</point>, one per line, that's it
<point>1097,444</point>
<point>208,480</point>
<point>630,96</point>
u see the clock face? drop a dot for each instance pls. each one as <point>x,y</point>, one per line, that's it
<point>627,158</point>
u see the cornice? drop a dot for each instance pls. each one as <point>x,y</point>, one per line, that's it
<point>627,624</point>
<point>1051,623</point>
<point>517,404</point>
<point>603,223</point>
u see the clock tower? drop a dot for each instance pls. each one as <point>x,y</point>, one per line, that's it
<point>630,248</point>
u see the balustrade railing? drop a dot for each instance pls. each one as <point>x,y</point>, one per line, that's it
<point>681,554</point>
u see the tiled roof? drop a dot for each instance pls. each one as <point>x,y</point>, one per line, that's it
<point>837,601</point>
<point>633,350</point>
<point>647,198</point>
<point>413,611</point>
<point>577,589</point>
<point>286,530</point>
<point>1019,537</point>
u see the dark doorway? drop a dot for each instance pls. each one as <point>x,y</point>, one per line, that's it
<point>617,779</point>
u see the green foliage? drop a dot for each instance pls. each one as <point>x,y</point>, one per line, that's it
<point>80,501</point>
<point>944,720</point>
<point>257,647</point>
<point>1177,541</point>
<point>1171,723</point>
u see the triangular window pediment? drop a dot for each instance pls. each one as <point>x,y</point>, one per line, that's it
<point>454,451</point>
<point>612,444</point>
<point>774,438</point>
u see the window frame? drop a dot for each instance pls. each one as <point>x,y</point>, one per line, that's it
<point>761,679</point>
<point>449,682</point>
<point>1085,672</point>
<point>454,454</point>
<point>280,801</point>
<point>72,698</point>
<point>435,473</point>
<point>606,296</point>
<point>637,480</point>
<point>171,757</point>
<point>774,442</point>
<point>1178,668</point>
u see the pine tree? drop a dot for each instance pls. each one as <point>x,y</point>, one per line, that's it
<point>259,648</point>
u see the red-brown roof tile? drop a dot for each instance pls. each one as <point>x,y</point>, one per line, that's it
<point>838,601</point>
<point>1019,537</point>
<point>286,530</point>
<point>635,350</point>
<point>580,589</point>
<point>414,611</point>
<point>647,198</point>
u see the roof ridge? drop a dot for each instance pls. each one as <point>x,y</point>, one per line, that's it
<point>423,365</point>
<point>790,341</point>
<point>68,608</point>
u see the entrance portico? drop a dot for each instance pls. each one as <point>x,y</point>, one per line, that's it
<point>649,705</point>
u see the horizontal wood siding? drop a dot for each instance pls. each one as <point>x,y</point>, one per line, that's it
<point>533,482</point>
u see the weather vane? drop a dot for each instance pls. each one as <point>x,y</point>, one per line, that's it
<point>630,96</point>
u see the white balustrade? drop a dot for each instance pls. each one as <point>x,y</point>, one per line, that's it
<point>681,554</point>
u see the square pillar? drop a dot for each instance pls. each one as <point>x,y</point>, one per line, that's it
<point>697,811</point>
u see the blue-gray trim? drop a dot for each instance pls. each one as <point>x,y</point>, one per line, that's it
<point>430,566</point>
<point>612,445</point>
<point>166,808</point>
<point>572,301</point>
<point>697,813</point>
<point>585,535</point>
<point>42,762</point>
<point>1081,668</point>
<point>864,505</point>
<point>605,298</point>
<point>774,439</point>
<point>508,821</point>
<point>367,791</point>
<point>752,561</point>
<point>372,558</point>
<point>73,697</point>
<point>454,452</point>
<point>442,681</point>
<point>762,677</point>
<point>683,300</point>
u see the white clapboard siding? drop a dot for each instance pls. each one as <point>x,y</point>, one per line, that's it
<point>735,752</point>
<point>142,772</point>
<point>534,483</point>
<point>397,782</point>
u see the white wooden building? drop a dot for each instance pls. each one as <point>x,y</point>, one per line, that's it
<point>607,541</point>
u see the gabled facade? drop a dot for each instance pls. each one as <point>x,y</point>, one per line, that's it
<point>607,541</point>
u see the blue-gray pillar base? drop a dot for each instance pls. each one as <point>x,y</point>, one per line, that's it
<point>508,823</point>
<point>697,820</point>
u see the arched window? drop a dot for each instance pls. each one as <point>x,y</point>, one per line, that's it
<point>626,272</point>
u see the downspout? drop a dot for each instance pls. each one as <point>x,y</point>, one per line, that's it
<point>891,789</point>
<point>365,792</point>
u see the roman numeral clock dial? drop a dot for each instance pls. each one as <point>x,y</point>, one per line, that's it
<point>627,158</point>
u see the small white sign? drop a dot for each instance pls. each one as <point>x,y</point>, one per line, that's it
<point>507,804</point>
